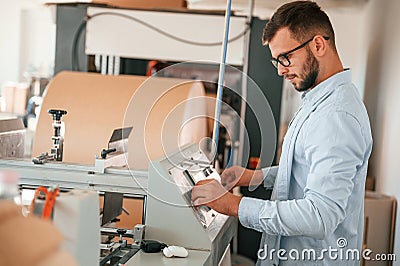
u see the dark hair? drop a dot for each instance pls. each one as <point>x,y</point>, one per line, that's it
<point>304,19</point>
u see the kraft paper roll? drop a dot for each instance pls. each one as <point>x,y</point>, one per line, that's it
<point>165,113</point>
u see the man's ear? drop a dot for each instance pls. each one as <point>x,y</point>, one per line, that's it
<point>319,45</point>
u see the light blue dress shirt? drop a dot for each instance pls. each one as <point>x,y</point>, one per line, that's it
<point>316,212</point>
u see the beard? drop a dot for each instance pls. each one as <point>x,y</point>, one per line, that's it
<point>311,70</point>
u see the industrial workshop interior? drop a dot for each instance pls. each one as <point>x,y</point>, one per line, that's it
<point>119,118</point>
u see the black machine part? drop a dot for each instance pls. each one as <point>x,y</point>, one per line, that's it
<point>152,246</point>
<point>57,114</point>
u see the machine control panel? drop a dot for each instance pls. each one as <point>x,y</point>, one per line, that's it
<point>186,175</point>
<point>170,185</point>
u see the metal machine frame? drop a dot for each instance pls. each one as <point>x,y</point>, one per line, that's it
<point>208,243</point>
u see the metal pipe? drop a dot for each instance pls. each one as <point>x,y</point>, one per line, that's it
<point>218,104</point>
<point>103,70</point>
<point>110,65</point>
<point>116,65</point>
<point>245,80</point>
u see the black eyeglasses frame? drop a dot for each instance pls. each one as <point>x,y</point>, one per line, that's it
<point>275,61</point>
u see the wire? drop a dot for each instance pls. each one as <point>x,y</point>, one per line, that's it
<point>75,55</point>
<point>82,26</point>
<point>171,36</point>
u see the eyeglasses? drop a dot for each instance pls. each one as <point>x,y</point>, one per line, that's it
<point>283,59</point>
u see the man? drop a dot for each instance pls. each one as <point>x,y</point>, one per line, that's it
<point>315,215</point>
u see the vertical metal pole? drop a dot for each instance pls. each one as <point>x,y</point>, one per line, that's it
<point>110,65</point>
<point>218,104</point>
<point>103,70</point>
<point>97,61</point>
<point>117,63</point>
<point>244,84</point>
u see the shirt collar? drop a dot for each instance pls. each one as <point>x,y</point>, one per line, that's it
<point>326,86</point>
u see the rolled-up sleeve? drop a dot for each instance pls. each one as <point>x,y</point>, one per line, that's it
<point>334,148</point>
<point>269,176</point>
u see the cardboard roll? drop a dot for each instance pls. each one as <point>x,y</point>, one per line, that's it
<point>165,114</point>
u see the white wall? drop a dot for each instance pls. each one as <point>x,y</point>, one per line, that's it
<point>349,31</point>
<point>10,39</point>
<point>27,39</point>
<point>382,95</point>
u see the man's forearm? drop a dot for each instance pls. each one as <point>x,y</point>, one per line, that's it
<point>253,177</point>
<point>230,205</point>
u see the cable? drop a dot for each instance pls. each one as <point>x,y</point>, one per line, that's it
<point>75,56</point>
<point>166,33</point>
<point>82,26</point>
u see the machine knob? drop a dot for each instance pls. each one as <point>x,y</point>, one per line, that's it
<point>121,231</point>
<point>104,152</point>
<point>57,114</point>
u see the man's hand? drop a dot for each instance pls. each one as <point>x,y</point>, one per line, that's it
<point>230,177</point>
<point>239,176</point>
<point>211,193</point>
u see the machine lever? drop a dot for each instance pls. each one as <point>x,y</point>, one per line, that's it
<point>104,152</point>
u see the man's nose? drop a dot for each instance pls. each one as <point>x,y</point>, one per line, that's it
<point>282,70</point>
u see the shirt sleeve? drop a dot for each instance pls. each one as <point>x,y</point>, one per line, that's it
<point>334,149</point>
<point>269,174</point>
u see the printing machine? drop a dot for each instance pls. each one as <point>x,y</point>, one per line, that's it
<point>164,186</point>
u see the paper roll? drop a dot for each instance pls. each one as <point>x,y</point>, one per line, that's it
<point>157,108</point>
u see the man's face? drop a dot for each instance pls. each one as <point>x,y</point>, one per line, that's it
<point>304,67</point>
